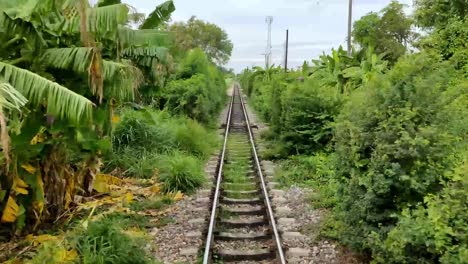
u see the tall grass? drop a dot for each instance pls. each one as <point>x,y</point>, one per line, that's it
<point>149,143</point>
<point>182,173</point>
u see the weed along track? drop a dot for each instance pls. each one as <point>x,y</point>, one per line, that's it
<point>242,227</point>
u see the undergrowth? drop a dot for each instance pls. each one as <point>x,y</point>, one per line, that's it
<point>149,143</point>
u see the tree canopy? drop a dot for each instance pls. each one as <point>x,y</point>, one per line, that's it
<point>387,32</point>
<point>196,33</point>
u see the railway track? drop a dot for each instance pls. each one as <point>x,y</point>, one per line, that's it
<point>242,227</point>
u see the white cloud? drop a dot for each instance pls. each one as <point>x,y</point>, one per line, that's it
<point>318,24</point>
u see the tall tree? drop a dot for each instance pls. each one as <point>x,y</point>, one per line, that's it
<point>436,13</point>
<point>447,25</point>
<point>388,32</point>
<point>194,33</point>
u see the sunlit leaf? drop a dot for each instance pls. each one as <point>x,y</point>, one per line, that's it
<point>29,168</point>
<point>19,186</point>
<point>11,211</point>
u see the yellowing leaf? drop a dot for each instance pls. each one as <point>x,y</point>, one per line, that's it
<point>115,119</point>
<point>39,137</point>
<point>155,188</point>
<point>103,182</point>
<point>71,256</point>
<point>37,240</point>
<point>29,168</point>
<point>128,197</point>
<point>178,196</point>
<point>11,211</point>
<point>19,186</point>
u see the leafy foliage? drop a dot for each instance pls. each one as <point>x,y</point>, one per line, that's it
<point>385,134</point>
<point>200,91</point>
<point>196,33</point>
<point>162,13</point>
<point>390,140</point>
<point>388,33</point>
<point>65,59</point>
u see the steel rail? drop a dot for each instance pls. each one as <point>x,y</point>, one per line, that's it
<point>209,236</point>
<point>263,185</point>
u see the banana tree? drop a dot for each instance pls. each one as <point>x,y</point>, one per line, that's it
<point>57,140</point>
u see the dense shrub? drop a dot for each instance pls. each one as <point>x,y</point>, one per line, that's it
<point>394,145</point>
<point>309,111</point>
<point>199,90</point>
<point>433,232</point>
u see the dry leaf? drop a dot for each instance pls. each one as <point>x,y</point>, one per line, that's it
<point>19,186</point>
<point>103,182</point>
<point>11,211</point>
<point>29,168</point>
<point>178,196</point>
<point>37,240</point>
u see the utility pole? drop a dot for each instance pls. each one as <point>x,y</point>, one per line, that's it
<point>350,25</point>
<point>269,21</point>
<point>287,47</point>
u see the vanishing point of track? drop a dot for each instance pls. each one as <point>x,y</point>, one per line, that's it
<point>242,226</point>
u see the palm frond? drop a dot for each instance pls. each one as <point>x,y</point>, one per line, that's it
<point>60,101</point>
<point>161,13</point>
<point>76,59</point>
<point>122,79</point>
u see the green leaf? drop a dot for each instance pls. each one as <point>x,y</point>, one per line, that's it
<point>10,98</point>
<point>60,101</point>
<point>162,13</point>
<point>76,59</point>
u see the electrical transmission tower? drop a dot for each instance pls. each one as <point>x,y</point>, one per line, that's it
<point>269,21</point>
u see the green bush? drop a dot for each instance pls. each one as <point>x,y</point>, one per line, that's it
<point>144,130</point>
<point>181,173</point>
<point>433,232</point>
<point>199,91</point>
<point>394,144</point>
<point>309,112</point>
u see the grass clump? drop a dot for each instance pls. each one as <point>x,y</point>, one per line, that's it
<point>182,173</point>
<point>104,242</point>
<point>315,172</point>
<point>151,204</point>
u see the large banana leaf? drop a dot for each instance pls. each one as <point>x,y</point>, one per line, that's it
<point>147,37</point>
<point>146,56</point>
<point>103,21</point>
<point>76,59</point>
<point>162,13</point>
<point>60,101</point>
<point>107,18</point>
<point>122,79</point>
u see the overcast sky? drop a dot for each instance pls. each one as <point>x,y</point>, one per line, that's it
<point>314,25</point>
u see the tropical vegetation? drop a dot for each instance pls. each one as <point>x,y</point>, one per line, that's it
<point>92,89</point>
<point>381,134</point>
